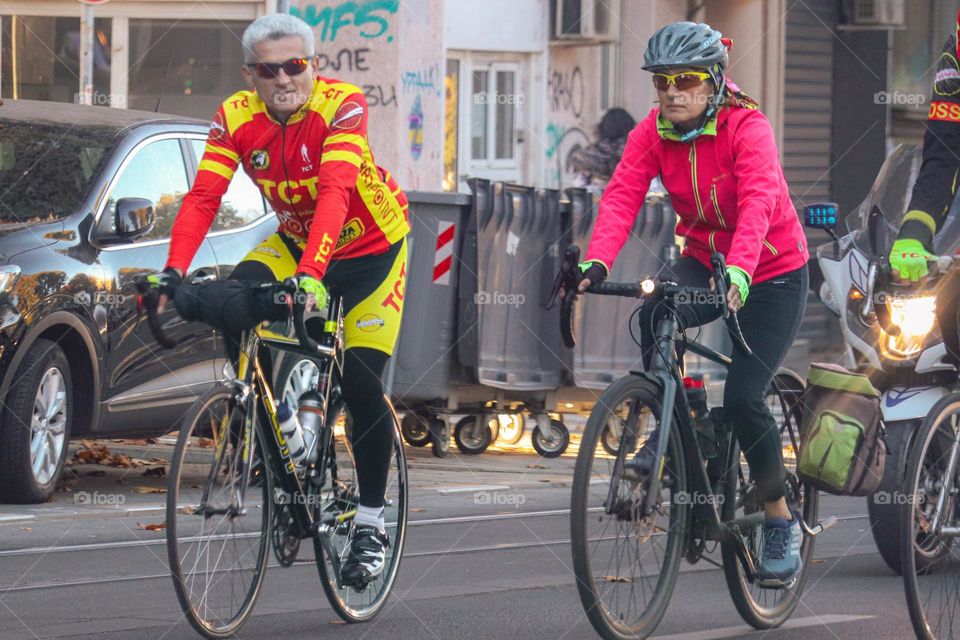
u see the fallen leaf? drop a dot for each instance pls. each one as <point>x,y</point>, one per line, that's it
<point>195,486</point>
<point>189,511</point>
<point>417,510</point>
<point>336,622</point>
<point>156,526</point>
<point>545,480</point>
<point>98,473</point>
<point>206,443</point>
<point>820,561</point>
<point>616,579</point>
<point>159,461</point>
<point>155,472</point>
<point>535,466</point>
<point>25,529</point>
<point>149,490</point>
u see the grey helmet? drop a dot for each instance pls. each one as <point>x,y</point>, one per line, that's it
<point>685,44</point>
<point>691,44</point>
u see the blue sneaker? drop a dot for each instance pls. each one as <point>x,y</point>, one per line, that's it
<point>781,561</point>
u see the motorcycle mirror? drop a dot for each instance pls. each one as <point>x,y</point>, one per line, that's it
<point>823,215</point>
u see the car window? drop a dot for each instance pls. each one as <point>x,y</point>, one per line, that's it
<point>158,174</point>
<point>46,169</point>
<point>242,203</point>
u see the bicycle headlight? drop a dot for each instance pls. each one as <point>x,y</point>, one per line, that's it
<point>915,317</point>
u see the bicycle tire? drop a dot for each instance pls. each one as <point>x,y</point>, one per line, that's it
<point>787,389</point>
<point>912,574</point>
<point>604,621</point>
<point>396,518</point>
<point>181,519</point>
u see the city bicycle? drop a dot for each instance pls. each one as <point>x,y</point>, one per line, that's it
<point>629,533</point>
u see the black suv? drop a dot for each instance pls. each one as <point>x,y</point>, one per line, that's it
<point>87,199</point>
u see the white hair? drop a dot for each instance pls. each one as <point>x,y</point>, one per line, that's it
<point>275,26</point>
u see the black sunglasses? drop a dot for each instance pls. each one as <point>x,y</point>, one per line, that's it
<point>292,67</point>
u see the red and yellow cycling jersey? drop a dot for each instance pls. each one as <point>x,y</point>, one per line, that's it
<point>316,170</point>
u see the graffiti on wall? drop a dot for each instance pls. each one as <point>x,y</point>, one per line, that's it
<point>560,142</point>
<point>415,120</point>
<point>565,91</point>
<point>370,18</point>
<point>426,80</point>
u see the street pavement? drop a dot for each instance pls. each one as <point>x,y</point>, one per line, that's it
<point>487,556</point>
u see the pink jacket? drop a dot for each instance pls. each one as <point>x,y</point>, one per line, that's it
<point>727,187</point>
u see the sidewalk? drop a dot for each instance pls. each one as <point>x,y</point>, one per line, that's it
<point>99,490</point>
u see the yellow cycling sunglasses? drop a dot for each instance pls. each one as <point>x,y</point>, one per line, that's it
<point>683,81</point>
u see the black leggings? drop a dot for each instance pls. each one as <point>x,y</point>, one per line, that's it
<point>769,320</point>
<point>362,389</point>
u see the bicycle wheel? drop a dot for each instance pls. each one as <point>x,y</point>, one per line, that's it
<point>626,568</point>
<point>931,587</point>
<point>340,496</point>
<point>759,607</point>
<point>217,530</point>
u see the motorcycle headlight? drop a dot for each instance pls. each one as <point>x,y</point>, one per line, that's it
<point>915,317</point>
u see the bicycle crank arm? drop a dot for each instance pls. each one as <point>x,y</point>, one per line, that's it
<point>818,528</point>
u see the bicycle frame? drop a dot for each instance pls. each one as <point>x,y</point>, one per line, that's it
<point>665,373</point>
<point>256,392</point>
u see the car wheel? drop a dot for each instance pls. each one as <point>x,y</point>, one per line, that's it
<point>35,425</point>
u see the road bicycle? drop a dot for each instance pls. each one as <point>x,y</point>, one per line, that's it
<point>628,532</point>
<point>235,490</point>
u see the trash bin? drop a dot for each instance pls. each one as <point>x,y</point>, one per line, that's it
<point>605,349</point>
<point>425,365</point>
<point>511,244</point>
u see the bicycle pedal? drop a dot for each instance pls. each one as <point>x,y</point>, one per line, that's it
<point>818,528</point>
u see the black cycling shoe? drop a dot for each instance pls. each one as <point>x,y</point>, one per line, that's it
<point>643,460</point>
<point>367,556</point>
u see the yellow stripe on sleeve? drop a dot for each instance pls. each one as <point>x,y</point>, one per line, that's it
<point>223,151</point>
<point>352,138</point>
<point>217,168</point>
<point>345,156</point>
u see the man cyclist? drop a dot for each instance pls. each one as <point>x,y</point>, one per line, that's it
<point>934,190</point>
<point>343,222</point>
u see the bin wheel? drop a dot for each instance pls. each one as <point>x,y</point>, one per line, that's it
<point>415,429</point>
<point>439,437</point>
<point>553,444</point>
<point>471,435</point>
<point>511,428</point>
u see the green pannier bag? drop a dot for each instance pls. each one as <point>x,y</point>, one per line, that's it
<point>842,450</point>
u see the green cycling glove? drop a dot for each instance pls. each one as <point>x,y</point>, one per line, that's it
<point>740,278</point>
<point>909,257</point>
<point>594,270</point>
<point>310,285</point>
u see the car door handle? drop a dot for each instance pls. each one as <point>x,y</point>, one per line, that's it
<point>202,276</point>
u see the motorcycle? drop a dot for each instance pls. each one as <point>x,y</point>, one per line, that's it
<point>889,333</point>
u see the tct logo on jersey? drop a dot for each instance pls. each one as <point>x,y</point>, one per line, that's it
<point>260,159</point>
<point>305,156</point>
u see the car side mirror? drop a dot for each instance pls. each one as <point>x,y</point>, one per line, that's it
<point>133,218</point>
<point>821,216</point>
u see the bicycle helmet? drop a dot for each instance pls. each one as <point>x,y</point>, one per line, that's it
<point>695,45</point>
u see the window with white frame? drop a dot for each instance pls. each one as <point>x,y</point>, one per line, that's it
<point>494,104</point>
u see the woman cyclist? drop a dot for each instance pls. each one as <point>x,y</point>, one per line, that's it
<point>716,156</point>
